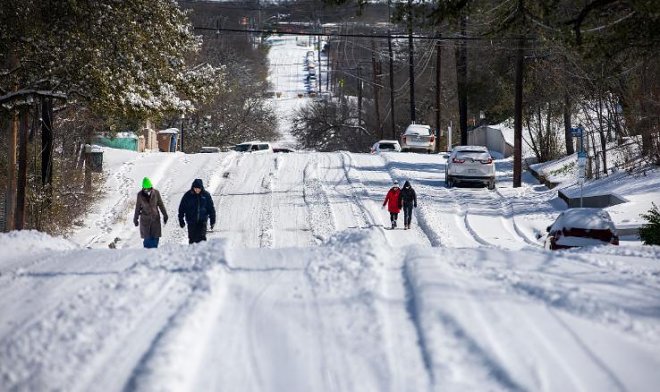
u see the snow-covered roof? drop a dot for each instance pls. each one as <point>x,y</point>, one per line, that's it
<point>169,130</point>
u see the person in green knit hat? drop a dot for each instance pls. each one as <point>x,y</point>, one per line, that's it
<point>147,214</point>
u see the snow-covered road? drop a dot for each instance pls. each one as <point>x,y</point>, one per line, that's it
<point>301,287</point>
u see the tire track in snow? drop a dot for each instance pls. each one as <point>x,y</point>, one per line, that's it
<point>321,219</point>
<point>482,217</point>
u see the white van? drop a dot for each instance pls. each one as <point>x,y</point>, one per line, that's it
<point>254,147</point>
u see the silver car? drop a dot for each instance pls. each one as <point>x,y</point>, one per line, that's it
<point>418,137</point>
<point>470,164</point>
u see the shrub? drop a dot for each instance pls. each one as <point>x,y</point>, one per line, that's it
<point>650,233</point>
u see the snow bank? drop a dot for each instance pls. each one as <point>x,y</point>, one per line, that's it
<point>28,241</point>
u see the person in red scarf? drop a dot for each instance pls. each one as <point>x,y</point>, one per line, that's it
<point>392,202</point>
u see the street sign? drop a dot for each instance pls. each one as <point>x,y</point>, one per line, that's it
<point>577,132</point>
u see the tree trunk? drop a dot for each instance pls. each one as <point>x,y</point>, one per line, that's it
<point>570,148</point>
<point>601,132</point>
<point>21,185</point>
<point>10,206</point>
<point>47,143</point>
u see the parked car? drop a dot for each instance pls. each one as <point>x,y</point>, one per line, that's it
<point>470,164</point>
<point>578,227</point>
<point>418,137</point>
<point>385,145</point>
<point>208,149</point>
<point>254,147</point>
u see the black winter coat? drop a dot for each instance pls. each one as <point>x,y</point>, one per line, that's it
<point>407,195</point>
<point>196,208</point>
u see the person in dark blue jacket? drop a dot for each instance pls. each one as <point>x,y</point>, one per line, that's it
<point>196,208</point>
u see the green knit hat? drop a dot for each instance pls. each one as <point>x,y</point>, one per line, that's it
<point>146,183</point>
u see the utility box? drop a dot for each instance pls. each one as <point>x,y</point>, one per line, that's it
<point>168,139</point>
<point>95,155</point>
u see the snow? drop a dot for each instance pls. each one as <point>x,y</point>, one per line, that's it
<point>585,218</point>
<point>301,287</point>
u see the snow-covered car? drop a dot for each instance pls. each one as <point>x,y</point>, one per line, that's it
<point>418,137</point>
<point>578,227</point>
<point>209,149</point>
<point>254,147</point>
<point>470,164</point>
<point>385,145</point>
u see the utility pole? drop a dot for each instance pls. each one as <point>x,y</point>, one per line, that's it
<point>19,223</point>
<point>376,72</point>
<point>392,108</point>
<point>461,77</point>
<point>438,92</point>
<point>359,91</point>
<point>517,116</point>
<point>411,62</point>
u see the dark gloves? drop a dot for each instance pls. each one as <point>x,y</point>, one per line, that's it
<point>415,205</point>
<point>165,220</point>
<point>182,223</point>
<point>212,227</point>
<point>136,223</point>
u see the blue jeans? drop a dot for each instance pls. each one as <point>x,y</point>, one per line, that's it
<point>151,242</point>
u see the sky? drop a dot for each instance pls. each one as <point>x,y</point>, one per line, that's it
<point>302,286</point>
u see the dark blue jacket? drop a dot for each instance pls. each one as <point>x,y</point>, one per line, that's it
<point>196,208</point>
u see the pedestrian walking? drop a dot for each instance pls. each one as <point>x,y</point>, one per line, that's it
<point>392,202</point>
<point>195,209</point>
<point>147,214</point>
<point>408,201</point>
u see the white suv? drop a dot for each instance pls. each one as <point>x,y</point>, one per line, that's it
<point>418,137</point>
<point>385,145</point>
<point>470,164</point>
<point>254,147</point>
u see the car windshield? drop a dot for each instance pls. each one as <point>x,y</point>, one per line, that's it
<point>242,147</point>
<point>422,131</point>
<point>474,155</point>
<point>387,146</point>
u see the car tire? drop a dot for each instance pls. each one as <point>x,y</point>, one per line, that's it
<point>491,185</point>
<point>449,182</point>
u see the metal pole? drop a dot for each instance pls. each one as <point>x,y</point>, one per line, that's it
<point>392,108</point>
<point>411,62</point>
<point>438,91</point>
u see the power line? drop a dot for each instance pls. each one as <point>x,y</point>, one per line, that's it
<point>330,35</point>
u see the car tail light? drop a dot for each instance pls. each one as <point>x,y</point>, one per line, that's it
<point>403,139</point>
<point>456,160</point>
<point>432,139</point>
<point>487,161</point>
